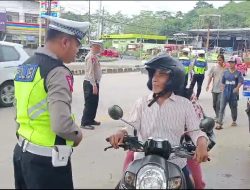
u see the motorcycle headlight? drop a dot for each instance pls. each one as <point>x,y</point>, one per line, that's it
<point>174,183</point>
<point>151,177</point>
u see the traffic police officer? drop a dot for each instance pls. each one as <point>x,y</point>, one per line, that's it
<point>46,129</point>
<point>91,85</point>
<point>199,68</point>
<point>185,60</point>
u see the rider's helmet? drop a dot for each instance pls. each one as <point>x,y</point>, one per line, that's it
<point>173,67</point>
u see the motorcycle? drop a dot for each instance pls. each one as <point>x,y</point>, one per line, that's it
<point>155,171</point>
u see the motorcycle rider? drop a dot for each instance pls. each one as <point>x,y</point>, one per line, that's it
<point>165,114</point>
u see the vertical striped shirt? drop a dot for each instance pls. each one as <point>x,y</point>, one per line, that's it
<point>166,121</point>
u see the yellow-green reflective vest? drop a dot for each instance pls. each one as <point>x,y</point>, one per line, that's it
<point>200,65</point>
<point>32,114</point>
<point>186,63</point>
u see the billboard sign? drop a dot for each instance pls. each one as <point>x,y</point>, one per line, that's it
<point>55,8</point>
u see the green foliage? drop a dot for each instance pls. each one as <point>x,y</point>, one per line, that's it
<point>233,15</point>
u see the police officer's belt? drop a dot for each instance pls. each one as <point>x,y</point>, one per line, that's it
<point>33,148</point>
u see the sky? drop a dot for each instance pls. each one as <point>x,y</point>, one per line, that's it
<point>133,7</point>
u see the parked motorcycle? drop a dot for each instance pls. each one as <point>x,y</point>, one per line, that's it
<point>155,171</point>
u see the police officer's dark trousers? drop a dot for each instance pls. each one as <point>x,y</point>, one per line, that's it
<point>91,103</point>
<point>36,172</point>
<point>186,80</point>
<point>199,78</point>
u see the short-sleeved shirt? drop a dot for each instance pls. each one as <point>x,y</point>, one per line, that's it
<point>93,71</point>
<point>231,81</point>
<point>216,73</point>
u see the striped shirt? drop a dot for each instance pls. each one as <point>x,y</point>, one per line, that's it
<point>166,121</point>
<point>93,71</point>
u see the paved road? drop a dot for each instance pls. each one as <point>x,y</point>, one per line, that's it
<point>94,168</point>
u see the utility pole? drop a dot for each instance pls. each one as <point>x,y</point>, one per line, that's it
<point>102,25</point>
<point>99,20</point>
<point>206,18</point>
<point>89,22</point>
<point>47,22</point>
<point>208,35</point>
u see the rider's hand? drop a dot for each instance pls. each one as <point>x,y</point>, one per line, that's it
<point>95,90</point>
<point>201,154</point>
<point>117,139</point>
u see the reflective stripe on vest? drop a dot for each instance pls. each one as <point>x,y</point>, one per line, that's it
<point>32,113</point>
<point>200,66</point>
<point>39,107</point>
<point>186,63</point>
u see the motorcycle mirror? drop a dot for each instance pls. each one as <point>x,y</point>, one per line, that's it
<point>115,112</point>
<point>207,124</point>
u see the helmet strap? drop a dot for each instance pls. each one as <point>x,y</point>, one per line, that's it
<point>156,96</point>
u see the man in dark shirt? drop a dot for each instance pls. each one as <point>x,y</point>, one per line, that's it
<point>231,83</point>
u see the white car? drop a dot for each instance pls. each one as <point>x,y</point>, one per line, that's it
<point>11,55</point>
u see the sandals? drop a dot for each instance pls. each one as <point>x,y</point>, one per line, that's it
<point>234,124</point>
<point>219,127</point>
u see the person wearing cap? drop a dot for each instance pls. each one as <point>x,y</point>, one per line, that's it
<point>232,80</point>
<point>186,62</point>
<point>199,68</point>
<point>46,130</point>
<point>93,74</point>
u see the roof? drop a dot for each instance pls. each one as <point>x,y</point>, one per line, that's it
<point>133,36</point>
<point>225,32</point>
<point>10,44</point>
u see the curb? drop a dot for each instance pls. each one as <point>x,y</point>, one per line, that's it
<point>109,70</point>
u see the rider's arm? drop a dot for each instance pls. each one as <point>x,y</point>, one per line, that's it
<point>192,123</point>
<point>134,116</point>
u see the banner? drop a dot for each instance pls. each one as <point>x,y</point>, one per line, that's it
<point>3,20</point>
<point>55,8</point>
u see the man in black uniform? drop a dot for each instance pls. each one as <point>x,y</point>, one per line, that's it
<point>46,129</point>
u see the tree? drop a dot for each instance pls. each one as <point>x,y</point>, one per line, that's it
<point>203,4</point>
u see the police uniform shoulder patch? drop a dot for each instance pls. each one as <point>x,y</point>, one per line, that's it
<point>26,72</point>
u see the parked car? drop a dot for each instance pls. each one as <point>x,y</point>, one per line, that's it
<point>11,55</point>
<point>82,53</point>
<point>110,53</point>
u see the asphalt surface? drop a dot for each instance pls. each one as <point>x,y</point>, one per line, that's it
<point>95,168</point>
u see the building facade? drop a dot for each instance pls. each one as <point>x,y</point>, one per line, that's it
<point>22,22</point>
<point>124,42</point>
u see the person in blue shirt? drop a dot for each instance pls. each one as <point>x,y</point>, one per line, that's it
<point>232,80</point>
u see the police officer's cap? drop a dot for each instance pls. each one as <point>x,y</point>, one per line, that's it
<point>96,42</point>
<point>201,52</point>
<point>187,50</point>
<point>74,28</point>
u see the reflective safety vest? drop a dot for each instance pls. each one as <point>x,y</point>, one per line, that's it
<point>186,63</point>
<point>200,65</point>
<point>32,114</point>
